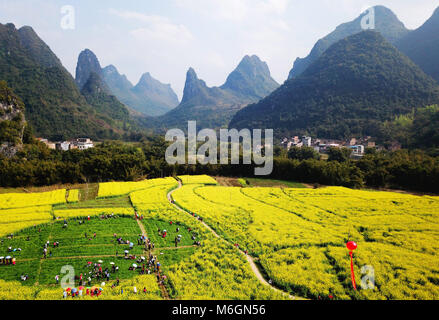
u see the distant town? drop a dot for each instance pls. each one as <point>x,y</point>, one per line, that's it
<point>80,144</point>
<point>358,146</point>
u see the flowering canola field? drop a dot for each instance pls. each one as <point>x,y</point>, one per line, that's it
<point>216,270</point>
<point>297,236</point>
<point>112,189</point>
<point>198,180</point>
<point>73,196</point>
<point>21,200</point>
<point>22,210</point>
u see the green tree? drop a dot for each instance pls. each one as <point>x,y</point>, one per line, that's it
<point>304,153</point>
<point>339,154</point>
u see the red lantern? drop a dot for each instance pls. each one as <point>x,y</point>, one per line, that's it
<point>351,245</point>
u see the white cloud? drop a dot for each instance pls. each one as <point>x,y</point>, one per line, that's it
<point>155,27</point>
<point>173,34</point>
<point>272,6</point>
<point>236,10</point>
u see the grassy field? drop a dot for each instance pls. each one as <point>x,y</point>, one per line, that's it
<point>77,246</point>
<point>116,202</point>
<point>269,183</point>
<point>256,182</point>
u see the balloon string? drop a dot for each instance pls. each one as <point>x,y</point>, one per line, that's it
<point>352,272</point>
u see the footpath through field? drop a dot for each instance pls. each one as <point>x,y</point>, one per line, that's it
<point>250,260</point>
<point>163,289</point>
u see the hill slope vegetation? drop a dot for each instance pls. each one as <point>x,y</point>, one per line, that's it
<point>54,105</point>
<point>354,86</point>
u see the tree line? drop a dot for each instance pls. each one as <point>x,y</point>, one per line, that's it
<point>36,165</point>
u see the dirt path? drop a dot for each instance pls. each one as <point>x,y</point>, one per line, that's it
<point>175,248</point>
<point>68,258</point>
<point>162,287</point>
<point>250,260</point>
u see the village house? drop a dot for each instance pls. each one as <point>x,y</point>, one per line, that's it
<point>49,144</point>
<point>83,143</point>
<point>80,144</point>
<point>357,150</point>
<point>63,146</point>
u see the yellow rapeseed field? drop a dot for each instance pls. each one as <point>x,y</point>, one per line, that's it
<point>21,200</point>
<point>216,270</point>
<point>76,213</point>
<point>298,237</point>
<point>198,180</point>
<point>73,196</point>
<point>112,189</point>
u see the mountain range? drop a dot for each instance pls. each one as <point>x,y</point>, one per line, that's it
<point>149,97</point>
<point>213,107</point>
<point>55,107</point>
<point>350,83</point>
<point>354,86</point>
<point>422,46</point>
<point>386,22</point>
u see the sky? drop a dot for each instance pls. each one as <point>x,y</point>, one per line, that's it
<point>166,37</point>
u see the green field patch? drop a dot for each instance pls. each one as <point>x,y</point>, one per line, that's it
<point>14,272</point>
<point>117,202</point>
<point>52,267</point>
<point>78,245</point>
<point>152,228</point>
<point>260,182</point>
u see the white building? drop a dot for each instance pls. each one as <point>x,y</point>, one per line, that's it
<point>63,146</point>
<point>357,150</point>
<point>83,143</point>
<point>307,141</point>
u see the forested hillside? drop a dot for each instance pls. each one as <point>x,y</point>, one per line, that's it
<point>354,87</point>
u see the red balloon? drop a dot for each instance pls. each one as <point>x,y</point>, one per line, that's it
<point>351,245</point>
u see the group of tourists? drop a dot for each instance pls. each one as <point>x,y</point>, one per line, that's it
<point>10,259</point>
<point>47,246</point>
<point>149,245</point>
<point>14,250</point>
<point>93,292</point>
<point>97,272</point>
<point>197,217</point>
<point>94,236</point>
<point>146,267</point>
<point>121,241</point>
<point>24,277</point>
<point>108,216</point>
<point>162,233</point>
<point>7,260</point>
<point>138,216</point>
